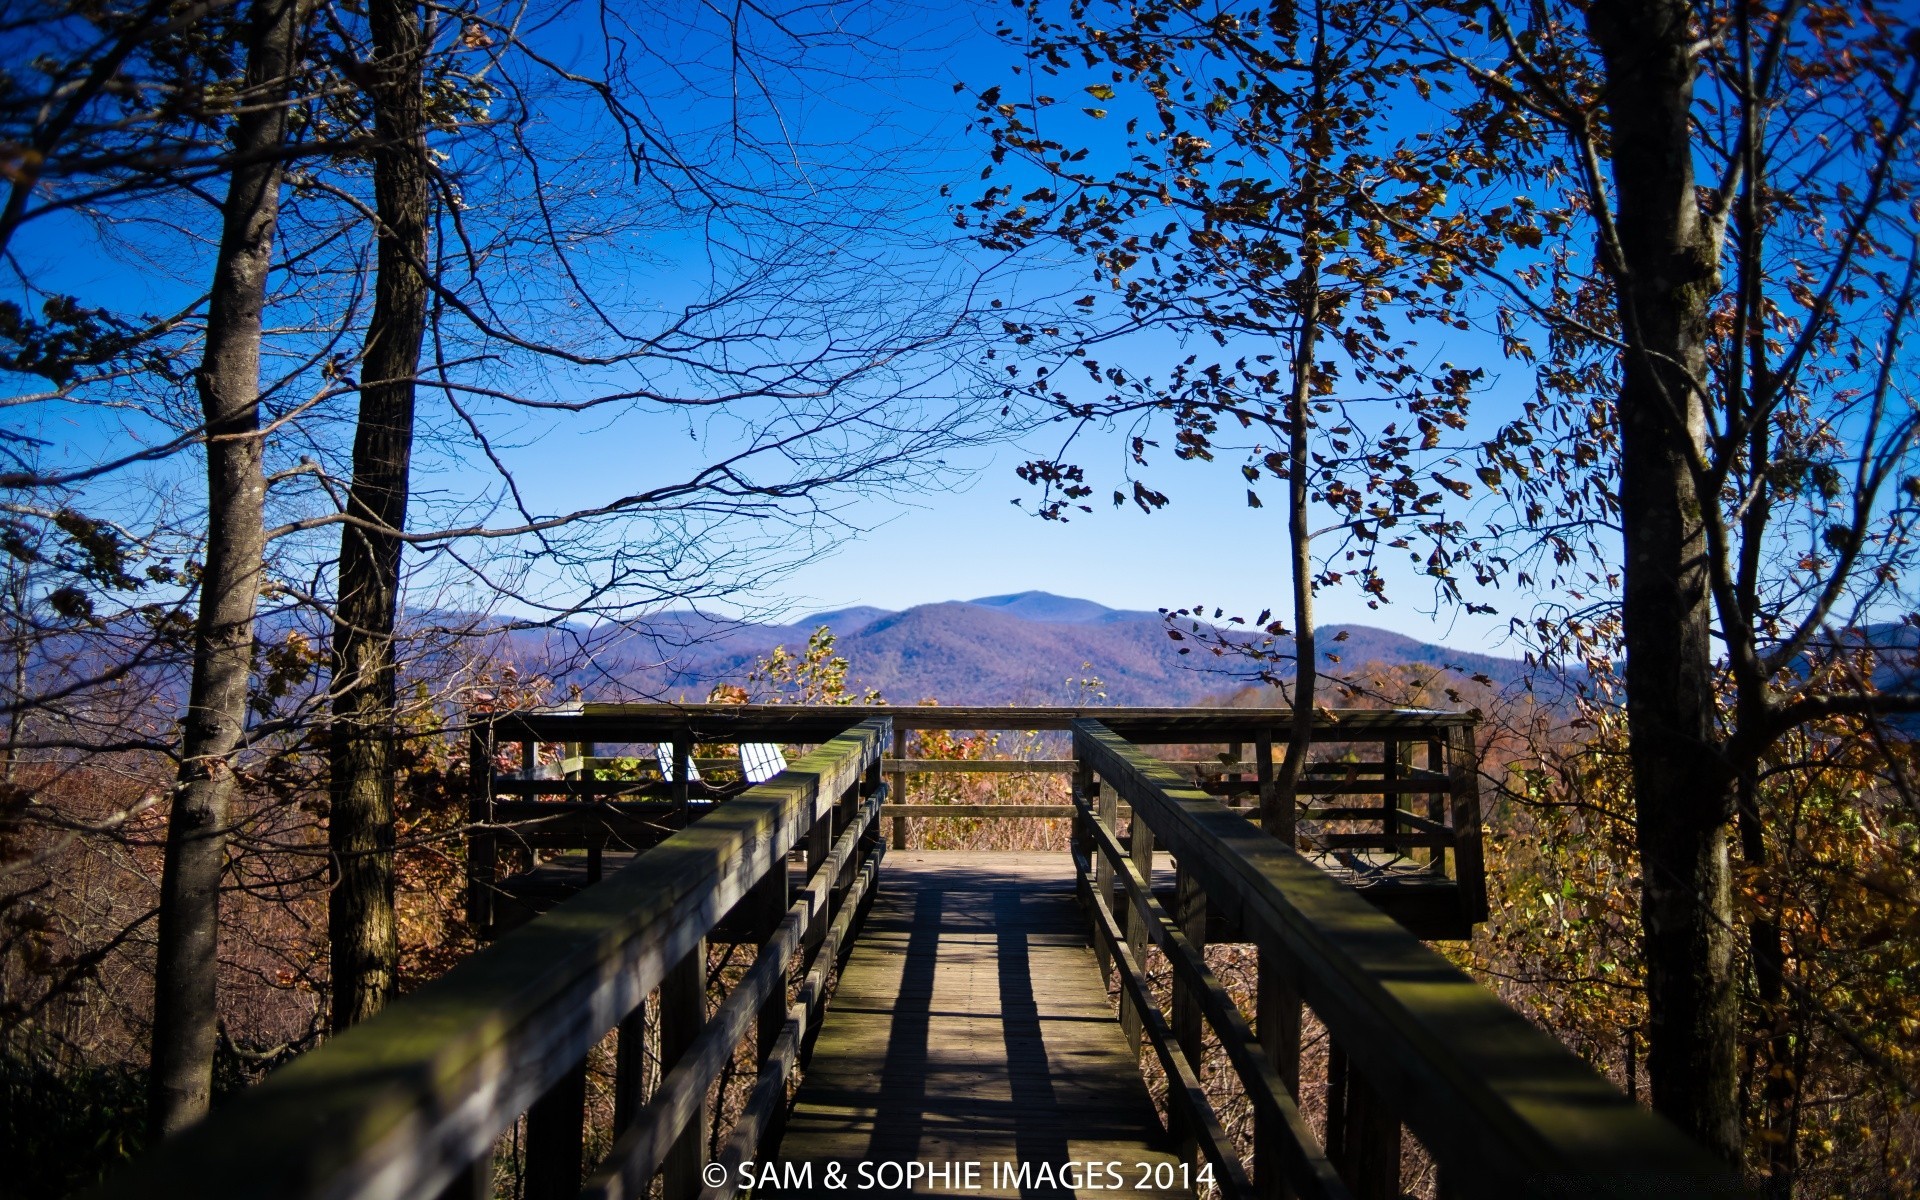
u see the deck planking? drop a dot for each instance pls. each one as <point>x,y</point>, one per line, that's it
<point>971,1025</point>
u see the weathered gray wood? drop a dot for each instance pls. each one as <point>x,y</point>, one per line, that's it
<point>1106,816</point>
<point>805,724</point>
<point>556,1133</point>
<point>818,892</point>
<point>677,1114</point>
<point>1470,870</point>
<point>1287,1142</point>
<point>480,854</point>
<point>683,1016</point>
<point>1495,1100</point>
<point>1190,914</point>
<point>1437,801</point>
<point>1186,1099</point>
<point>630,1069</point>
<point>762,1117</point>
<point>1411,820</point>
<point>1050,812</point>
<point>970,1025</point>
<point>982,766</point>
<point>473,1183</point>
<point>899,786</point>
<point>659,1133</point>
<point>398,1105</point>
<point>1140,839</point>
<point>1372,1142</point>
<point>771,901</point>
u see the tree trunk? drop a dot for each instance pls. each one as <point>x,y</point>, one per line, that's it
<point>229,384</point>
<point>1666,277</point>
<point>1306,660</point>
<point>365,944</point>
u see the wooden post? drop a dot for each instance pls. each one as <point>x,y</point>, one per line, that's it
<point>480,843</point>
<point>1336,1138</point>
<point>819,845</point>
<point>581,752</point>
<point>1437,804</point>
<point>1107,813</point>
<point>899,784</point>
<point>630,1069</point>
<point>1141,835</point>
<point>1085,791</point>
<point>1469,868</point>
<point>683,1012</point>
<point>1190,913</point>
<point>1389,797</point>
<point>1277,1003</point>
<point>772,902</point>
<point>682,786</point>
<point>474,1182</point>
<point>1233,755</point>
<point>1370,1160</point>
<point>556,1130</point>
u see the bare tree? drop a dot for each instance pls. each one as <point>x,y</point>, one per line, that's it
<point>365,945</point>
<point>230,580</point>
<point>1727,376</point>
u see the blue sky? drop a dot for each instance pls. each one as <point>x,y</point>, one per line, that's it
<point>971,539</point>
<point>961,538</point>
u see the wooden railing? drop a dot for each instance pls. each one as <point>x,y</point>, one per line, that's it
<point>1406,833</point>
<point>1503,1109</point>
<point>412,1102</point>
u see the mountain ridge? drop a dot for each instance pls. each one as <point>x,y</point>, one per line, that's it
<point>1021,648</point>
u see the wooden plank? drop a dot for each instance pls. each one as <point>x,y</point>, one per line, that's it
<point>899,782</point>
<point>400,1104</point>
<point>970,1025</point>
<point>1469,867</point>
<point>480,844</point>
<point>1499,1103</point>
<point>556,1133</point>
<point>1285,1138</point>
<point>981,766</point>
<point>1187,1099</point>
<point>1053,812</point>
<point>791,724</point>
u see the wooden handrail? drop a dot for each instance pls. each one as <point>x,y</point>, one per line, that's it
<point>792,723</point>
<point>1423,867</point>
<point>404,1103</point>
<point>1504,1109</point>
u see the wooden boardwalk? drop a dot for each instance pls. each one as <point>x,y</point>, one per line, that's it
<point>971,1026</point>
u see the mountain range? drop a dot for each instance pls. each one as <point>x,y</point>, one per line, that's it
<point>1025,648</point>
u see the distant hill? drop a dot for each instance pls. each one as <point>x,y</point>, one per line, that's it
<point>1027,648</point>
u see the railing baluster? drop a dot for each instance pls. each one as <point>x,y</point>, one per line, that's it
<point>682,786</point>
<point>1277,1002</point>
<point>1389,793</point>
<point>1372,1141</point>
<point>1140,834</point>
<point>473,1182</point>
<point>555,1135</point>
<point>899,786</point>
<point>774,899</point>
<point>1108,816</point>
<point>1335,1138</point>
<point>630,1069</point>
<point>1437,804</point>
<point>819,843</point>
<point>1190,914</point>
<point>1469,869</point>
<point>683,1011</point>
<point>480,844</point>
